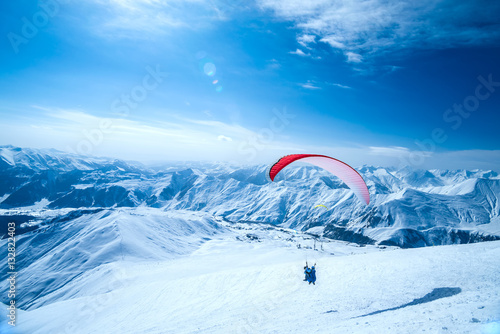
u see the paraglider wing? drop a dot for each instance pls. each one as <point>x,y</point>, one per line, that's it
<point>345,172</point>
<point>320,205</point>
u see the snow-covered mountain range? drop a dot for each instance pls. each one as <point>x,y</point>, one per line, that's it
<point>408,208</point>
<point>104,245</point>
<point>146,270</point>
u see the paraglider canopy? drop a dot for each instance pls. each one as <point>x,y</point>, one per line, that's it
<point>320,205</point>
<point>342,170</point>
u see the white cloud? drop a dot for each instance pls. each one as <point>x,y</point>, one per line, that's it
<point>393,151</point>
<point>370,27</point>
<point>334,42</point>
<point>339,85</point>
<point>310,85</point>
<point>305,40</point>
<point>273,64</point>
<point>178,139</point>
<point>464,159</point>
<point>209,140</point>
<point>235,130</point>
<point>353,57</point>
<point>143,18</point>
<point>299,52</point>
<point>224,138</point>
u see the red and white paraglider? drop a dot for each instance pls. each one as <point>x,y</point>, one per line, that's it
<point>340,169</point>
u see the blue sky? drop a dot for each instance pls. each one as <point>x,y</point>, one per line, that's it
<point>369,82</point>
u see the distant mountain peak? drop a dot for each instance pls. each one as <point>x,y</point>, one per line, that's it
<point>415,203</point>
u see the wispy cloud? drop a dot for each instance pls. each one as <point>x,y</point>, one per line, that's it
<point>353,57</point>
<point>339,85</point>
<point>365,28</point>
<point>224,138</point>
<point>178,139</point>
<point>141,18</point>
<point>189,139</point>
<point>392,151</point>
<point>299,52</point>
<point>310,85</point>
<point>273,64</point>
<point>305,40</point>
<point>462,159</point>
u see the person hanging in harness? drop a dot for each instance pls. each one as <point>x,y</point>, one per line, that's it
<point>310,274</point>
<point>307,272</point>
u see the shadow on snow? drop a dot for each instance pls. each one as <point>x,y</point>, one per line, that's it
<point>436,294</point>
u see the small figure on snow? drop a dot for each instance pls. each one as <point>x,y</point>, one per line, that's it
<point>307,272</point>
<point>310,274</point>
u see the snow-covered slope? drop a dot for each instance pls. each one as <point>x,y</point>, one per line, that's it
<point>237,284</point>
<point>197,248</point>
<point>408,207</point>
<point>57,260</point>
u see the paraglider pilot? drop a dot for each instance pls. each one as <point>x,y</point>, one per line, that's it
<point>310,274</point>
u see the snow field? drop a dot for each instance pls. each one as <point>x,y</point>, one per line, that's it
<point>229,286</point>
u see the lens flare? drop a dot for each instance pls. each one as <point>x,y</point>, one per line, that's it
<point>215,82</point>
<point>218,89</point>
<point>209,69</point>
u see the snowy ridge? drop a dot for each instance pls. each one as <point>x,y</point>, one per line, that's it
<point>44,159</point>
<point>408,208</point>
<point>219,249</point>
<point>57,259</point>
<point>237,284</point>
